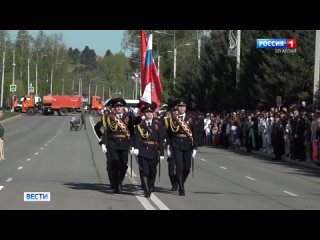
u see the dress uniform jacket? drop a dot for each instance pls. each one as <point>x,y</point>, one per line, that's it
<point>149,140</point>
<point>177,137</point>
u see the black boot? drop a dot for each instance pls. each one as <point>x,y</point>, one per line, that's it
<point>146,188</point>
<point>110,178</point>
<point>151,183</point>
<point>141,180</point>
<point>181,185</point>
<point>115,179</point>
<point>185,176</point>
<point>173,180</point>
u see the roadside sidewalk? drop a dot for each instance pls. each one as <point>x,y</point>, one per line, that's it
<point>284,158</point>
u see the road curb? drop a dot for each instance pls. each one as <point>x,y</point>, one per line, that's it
<point>7,119</point>
<point>302,163</point>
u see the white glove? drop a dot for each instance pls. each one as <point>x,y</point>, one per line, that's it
<point>143,118</point>
<point>104,148</point>
<point>161,158</point>
<point>131,151</point>
<point>194,152</point>
<point>135,152</point>
<point>169,152</point>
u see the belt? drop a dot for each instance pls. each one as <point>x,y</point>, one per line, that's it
<point>181,135</point>
<point>149,142</point>
<point>118,135</point>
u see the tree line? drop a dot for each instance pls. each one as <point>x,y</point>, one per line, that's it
<point>68,68</point>
<point>209,83</point>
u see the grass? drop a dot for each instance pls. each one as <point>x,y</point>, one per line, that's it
<point>9,114</point>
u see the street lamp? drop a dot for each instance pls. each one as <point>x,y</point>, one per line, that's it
<point>174,55</point>
<point>174,61</point>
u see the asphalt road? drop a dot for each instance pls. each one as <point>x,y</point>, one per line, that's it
<point>42,155</point>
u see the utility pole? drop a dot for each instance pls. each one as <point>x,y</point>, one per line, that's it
<point>51,81</point>
<point>79,85</point>
<point>2,78</point>
<point>316,65</point>
<point>199,44</point>
<point>36,79</point>
<point>28,75</point>
<point>89,92</point>
<point>62,86</point>
<point>174,60</point>
<point>238,58</point>
<point>103,92</point>
<point>13,74</point>
<point>95,92</point>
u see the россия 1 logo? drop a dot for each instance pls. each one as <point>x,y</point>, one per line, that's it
<point>281,45</point>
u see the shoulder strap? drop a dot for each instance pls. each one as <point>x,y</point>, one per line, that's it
<point>122,126</point>
<point>185,127</point>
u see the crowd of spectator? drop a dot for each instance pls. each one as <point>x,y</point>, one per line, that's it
<point>292,132</point>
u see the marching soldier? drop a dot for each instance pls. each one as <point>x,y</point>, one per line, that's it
<point>148,147</point>
<point>97,128</point>
<point>173,111</point>
<point>183,142</point>
<point>116,140</point>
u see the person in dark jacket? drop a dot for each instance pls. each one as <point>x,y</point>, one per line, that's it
<point>83,120</point>
<point>182,137</point>
<point>149,147</point>
<point>172,169</point>
<point>116,140</point>
<point>277,137</point>
<point>102,124</point>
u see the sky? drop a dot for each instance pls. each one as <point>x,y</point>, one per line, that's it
<point>99,40</point>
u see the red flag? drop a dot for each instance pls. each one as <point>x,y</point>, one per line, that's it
<point>149,74</point>
<point>143,51</point>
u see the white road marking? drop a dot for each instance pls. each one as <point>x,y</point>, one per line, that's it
<point>92,125</point>
<point>158,202</point>
<point>41,148</point>
<point>36,153</point>
<point>292,194</point>
<point>9,180</point>
<point>144,201</point>
<point>223,167</point>
<point>46,144</point>
<point>250,178</point>
<point>19,168</point>
<point>28,159</point>
<point>1,187</point>
<point>202,159</point>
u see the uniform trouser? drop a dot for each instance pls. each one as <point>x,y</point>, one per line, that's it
<point>148,168</point>
<point>118,166</point>
<point>183,162</point>
<point>172,172</point>
<point>109,170</point>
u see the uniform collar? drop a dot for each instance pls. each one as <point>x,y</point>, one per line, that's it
<point>183,115</point>
<point>149,121</point>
